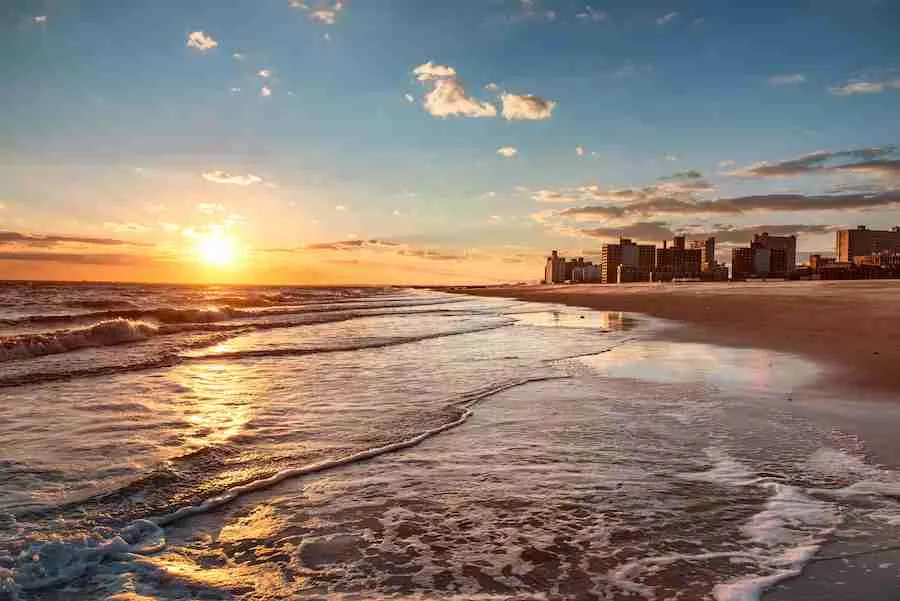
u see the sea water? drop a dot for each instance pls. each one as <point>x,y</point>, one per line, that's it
<point>161,442</point>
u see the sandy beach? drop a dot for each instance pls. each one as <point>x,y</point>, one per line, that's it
<point>851,328</point>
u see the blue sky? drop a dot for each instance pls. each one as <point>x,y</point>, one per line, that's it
<point>285,126</point>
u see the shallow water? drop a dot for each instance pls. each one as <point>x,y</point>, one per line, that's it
<point>279,443</point>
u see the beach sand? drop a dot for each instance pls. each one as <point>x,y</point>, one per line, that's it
<point>850,328</point>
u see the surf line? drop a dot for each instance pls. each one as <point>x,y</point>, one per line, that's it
<point>147,536</point>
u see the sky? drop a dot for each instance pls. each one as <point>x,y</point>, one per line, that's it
<point>414,141</point>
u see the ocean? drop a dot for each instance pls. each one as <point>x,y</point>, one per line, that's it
<point>173,442</point>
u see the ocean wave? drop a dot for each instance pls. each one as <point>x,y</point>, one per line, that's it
<point>45,565</point>
<point>104,333</point>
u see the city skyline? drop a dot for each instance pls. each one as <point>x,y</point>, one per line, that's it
<point>412,142</point>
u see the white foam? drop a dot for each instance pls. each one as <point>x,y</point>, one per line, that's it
<point>104,333</point>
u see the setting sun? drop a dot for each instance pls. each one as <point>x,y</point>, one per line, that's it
<point>216,249</point>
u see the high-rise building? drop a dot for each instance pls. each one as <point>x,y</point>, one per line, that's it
<point>863,241</point>
<point>707,253</point>
<point>786,243</point>
<point>636,261</point>
<point>676,261</point>
<point>555,269</point>
<point>757,260</point>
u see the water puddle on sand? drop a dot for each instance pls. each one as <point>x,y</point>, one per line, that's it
<point>744,370</point>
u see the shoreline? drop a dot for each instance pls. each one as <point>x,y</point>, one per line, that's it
<point>850,328</point>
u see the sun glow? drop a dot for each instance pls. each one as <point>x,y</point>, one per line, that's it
<point>216,249</point>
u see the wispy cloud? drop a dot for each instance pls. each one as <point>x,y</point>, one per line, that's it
<point>815,162</point>
<point>666,18</point>
<point>787,79</point>
<point>223,177</point>
<point>322,12</point>
<point>39,19</point>
<point>865,87</point>
<point>199,40</point>
<point>508,151</point>
<point>590,15</point>
<point>48,240</point>
<point>518,107</point>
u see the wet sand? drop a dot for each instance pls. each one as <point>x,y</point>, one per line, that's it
<point>851,328</point>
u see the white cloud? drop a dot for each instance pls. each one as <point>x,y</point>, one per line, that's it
<point>237,56</point>
<point>508,151</point>
<point>327,14</point>
<point>265,91</point>
<point>727,163</point>
<point>264,73</point>
<point>666,18</point>
<point>492,87</point>
<point>235,90</point>
<point>39,19</point>
<point>200,41</point>
<point>590,14</point>
<point>579,150</point>
<point>864,87</point>
<point>526,107</point>
<point>397,213</point>
<point>125,228</point>
<point>787,79</point>
<point>326,36</point>
<point>340,208</point>
<point>223,177</point>
<point>429,71</point>
<point>670,157</point>
<point>409,98</point>
<point>209,208</point>
<point>449,98</point>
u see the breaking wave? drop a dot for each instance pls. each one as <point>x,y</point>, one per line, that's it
<point>104,333</point>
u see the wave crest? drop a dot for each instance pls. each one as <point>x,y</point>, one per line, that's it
<point>104,333</point>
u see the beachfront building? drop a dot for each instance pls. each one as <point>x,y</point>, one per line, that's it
<point>788,244</point>
<point>626,262</point>
<point>863,241</point>
<point>555,269</point>
<point>707,254</point>
<point>758,261</point>
<point>677,261</point>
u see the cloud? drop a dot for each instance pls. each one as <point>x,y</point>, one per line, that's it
<point>448,98</point>
<point>666,18</point>
<point>681,186</point>
<point>126,227</point>
<point>864,87</point>
<point>579,150</point>
<point>508,151</point>
<point>324,12</point>
<point>670,157</point>
<point>735,205</point>
<point>201,41</point>
<point>648,231</point>
<point>815,162</point>
<point>265,91</point>
<point>40,19</point>
<point>210,208</point>
<point>430,254</point>
<point>238,56</point>
<point>340,208</point>
<point>684,175</point>
<point>882,167</point>
<point>265,73</point>
<point>787,79</point>
<point>223,177</point>
<point>727,163</point>
<point>525,107</point>
<point>46,241</point>
<point>590,15</point>
<point>492,87</point>
<point>429,71</point>
<point>78,258</point>
<point>351,244</point>
<point>409,98</point>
